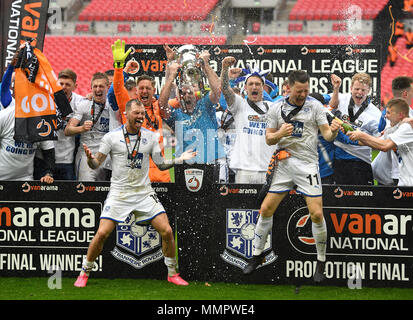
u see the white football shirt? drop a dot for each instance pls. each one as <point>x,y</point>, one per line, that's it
<point>250,151</point>
<point>124,178</point>
<point>83,113</point>
<point>303,143</point>
<point>403,138</point>
<point>16,158</point>
<point>370,119</point>
<point>65,145</point>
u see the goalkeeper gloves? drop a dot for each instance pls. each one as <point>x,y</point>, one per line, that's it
<point>119,54</point>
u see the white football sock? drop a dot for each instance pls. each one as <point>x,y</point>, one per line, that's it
<point>87,267</point>
<point>171,265</point>
<point>262,229</point>
<point>320,236</point>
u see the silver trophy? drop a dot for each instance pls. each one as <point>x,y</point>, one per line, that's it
<point>191,73</point>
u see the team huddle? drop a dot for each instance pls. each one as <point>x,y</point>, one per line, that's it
<point>121,136</point>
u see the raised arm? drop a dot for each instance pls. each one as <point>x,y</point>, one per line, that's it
<point>73,127</point>
<point>171,71</point>
<point>273,136</point>
<point>228,93</point>
<point>336,82</point>
<point>213,79</point>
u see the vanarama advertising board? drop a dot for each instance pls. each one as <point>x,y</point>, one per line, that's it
<point>318,60</point>
<point>49,227</point>
<point>370,237</point>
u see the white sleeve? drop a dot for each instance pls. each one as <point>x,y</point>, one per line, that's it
<point>114,119</point>
<point>235,106</point>
<point>403,135</point>
<point>105,145</point>
<point>272,119</point>
<point>320,114</point>
<point>80,109</point>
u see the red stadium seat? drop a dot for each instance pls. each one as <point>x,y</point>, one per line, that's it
<point>69,52</point>
<point>256,27</point>
<point>82,28</point>
<point>159,10</point>
<point>124,28</point>
<point>334,10</point>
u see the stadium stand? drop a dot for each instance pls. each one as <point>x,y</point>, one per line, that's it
<point>69,52</point>
<point>99,22</point>
<point>140,10</point>
<point>336,10</point>
<point>402,67</point>
<point>309,39</point>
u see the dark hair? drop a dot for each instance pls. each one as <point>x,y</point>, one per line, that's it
<point>67,74</point>
<point>318,96</point>
<point>110,72</point>
<point>145,77</point>
<point>400,84</point>
<point>256,76</point>
<point>298,76</point>
<point>130,84</point>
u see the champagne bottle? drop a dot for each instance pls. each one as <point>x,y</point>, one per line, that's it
<point>346,126</point>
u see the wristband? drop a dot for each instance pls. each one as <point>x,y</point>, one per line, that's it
<point>118,64</point>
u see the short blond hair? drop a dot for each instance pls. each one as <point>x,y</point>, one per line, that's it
<point>362,78</point>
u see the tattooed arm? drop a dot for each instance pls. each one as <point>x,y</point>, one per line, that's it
<point>226,88</point>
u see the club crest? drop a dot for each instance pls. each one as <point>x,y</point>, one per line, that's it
<point>240,232</point>
<point>142,241</point>
<point>193,179</point>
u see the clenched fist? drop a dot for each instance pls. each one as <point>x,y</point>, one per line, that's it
<point>228,62</point>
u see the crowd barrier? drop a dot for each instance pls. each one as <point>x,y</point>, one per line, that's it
<point>48,227</point>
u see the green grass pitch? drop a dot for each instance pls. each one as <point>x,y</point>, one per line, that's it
<point>138,289</point>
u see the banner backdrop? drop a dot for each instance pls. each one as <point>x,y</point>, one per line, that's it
<point>370,236</point>
<point>318,60</point>
<point>21,20</point>
<point>48,227</point>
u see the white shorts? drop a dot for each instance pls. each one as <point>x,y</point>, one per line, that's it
<point>293,173</point>
<point>145,207</point>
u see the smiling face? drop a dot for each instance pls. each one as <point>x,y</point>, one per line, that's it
<point>397,109</point>
<point>146,91</point>
<point>359,92</point>
<point>254,88</point>
<point>99,90</point>
<point>393,116</point>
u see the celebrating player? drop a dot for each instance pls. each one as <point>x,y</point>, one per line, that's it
<point>130,192</point>
<point>397,138</point>
<point>293,124</point>
<point>250,154</point>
